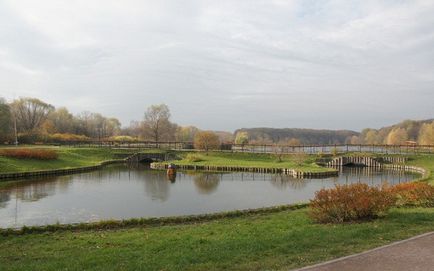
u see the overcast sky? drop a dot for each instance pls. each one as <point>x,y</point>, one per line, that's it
<point>223,64</point>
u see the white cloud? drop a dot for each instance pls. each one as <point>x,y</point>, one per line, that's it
<point>303,59</point>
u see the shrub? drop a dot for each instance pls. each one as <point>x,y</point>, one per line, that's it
<point>413,194</point>
<point>29,137</point>
<point>67,138</point>
<point>193,157</point>
<point>39,154</point>
<point>352,202</point>
<point>123,138</point>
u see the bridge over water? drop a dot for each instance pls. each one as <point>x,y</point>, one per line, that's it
<point>365,161</point>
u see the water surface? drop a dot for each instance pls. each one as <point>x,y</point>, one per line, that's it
<point>121,192</point>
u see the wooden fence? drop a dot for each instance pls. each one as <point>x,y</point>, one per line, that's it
<point>262,148</point>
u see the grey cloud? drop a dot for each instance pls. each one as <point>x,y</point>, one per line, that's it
<point>225,64</point>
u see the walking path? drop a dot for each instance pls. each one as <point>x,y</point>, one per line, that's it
<point>416,254</point>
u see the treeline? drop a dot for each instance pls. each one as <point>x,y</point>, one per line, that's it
<point>293,136</point>
<point>30,120</point>
<point>406,132</point>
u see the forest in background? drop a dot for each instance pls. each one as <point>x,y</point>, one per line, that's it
<point>30,120</point>
<point>405,132</point>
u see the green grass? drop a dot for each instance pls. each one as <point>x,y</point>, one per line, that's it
<point>425,161</point>
<point>68,158</point>
<point>277,241</point>
<point>253,160</point>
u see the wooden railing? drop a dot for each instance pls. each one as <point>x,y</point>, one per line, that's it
<point>262,148</point>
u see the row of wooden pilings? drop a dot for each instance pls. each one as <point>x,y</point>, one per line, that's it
<point>415,169</point>
<point>393,159</point>
<point>286,171</point>
<point>356,160</point>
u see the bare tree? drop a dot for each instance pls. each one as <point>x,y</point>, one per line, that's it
<point>157,123</point>
<point>62,120</point>
<point>186,133</point>
<point>30,113</point>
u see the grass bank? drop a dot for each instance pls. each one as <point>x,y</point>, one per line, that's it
<point>425,161</point>
<point>68,158</point>
<point>276,241</point>
<point>304,163</point>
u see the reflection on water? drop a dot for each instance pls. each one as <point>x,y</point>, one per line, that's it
<point>285,181</point>
<point>206,183</point>
<point>125,191</point>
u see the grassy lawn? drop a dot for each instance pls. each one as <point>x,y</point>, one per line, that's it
<point>425,161</point>
<point>68,158</point>
<point>253,160</point>
<point>275,241</point>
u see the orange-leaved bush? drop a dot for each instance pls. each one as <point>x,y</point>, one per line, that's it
<point>352,202</point>
<point>413,194</point>
<point>40,154</point>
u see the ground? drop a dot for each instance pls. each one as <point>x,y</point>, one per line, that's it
<point>277,241</point>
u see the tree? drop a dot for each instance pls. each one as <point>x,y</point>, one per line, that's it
<point>242,138</point>
<point>112,127</point>
<point>294,142</point>
<point>157,123</point>
<point>30,113</point>
<point>397,136</point>
<point>186,133</point>
<point>426,134</point>
<point>372,137</point>
<point>206,141</point>
<point>354,140</point>
<point>61,120</point>
<point>5,121</point>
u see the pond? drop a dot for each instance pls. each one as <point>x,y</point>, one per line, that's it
<point>127,191</point>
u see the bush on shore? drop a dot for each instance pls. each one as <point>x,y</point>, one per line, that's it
<point>416,194</point>
<point>39,154</point>
<point>355,202</point>
<point>346,203</point>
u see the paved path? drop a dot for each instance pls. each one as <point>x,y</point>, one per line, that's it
<point>415,254</point>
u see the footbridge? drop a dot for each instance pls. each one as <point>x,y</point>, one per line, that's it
<point>149,157</point>
<point>365,161</point>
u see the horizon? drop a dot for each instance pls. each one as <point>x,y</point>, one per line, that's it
<point>222,66</point>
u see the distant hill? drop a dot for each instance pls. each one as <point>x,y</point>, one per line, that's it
<point>304,136</point>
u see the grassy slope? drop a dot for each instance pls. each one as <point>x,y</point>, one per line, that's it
<point>68,158</point>
<point>274,241</point>
<point>426,162</point>
<point>252,160</point>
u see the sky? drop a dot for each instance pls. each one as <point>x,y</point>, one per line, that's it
<point>226,64</point>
